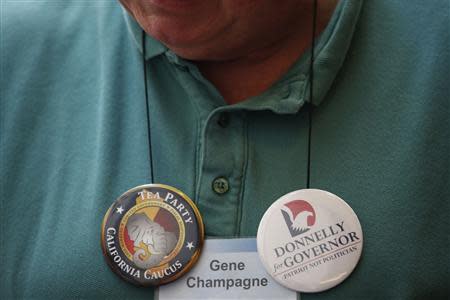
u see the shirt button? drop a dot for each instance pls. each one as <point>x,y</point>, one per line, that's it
<point>220,185</point>
<point>224,120</point>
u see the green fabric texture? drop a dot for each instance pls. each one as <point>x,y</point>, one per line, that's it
<point>74,137</point>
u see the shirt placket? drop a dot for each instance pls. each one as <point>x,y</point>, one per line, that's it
<point>221,152</point>
<point>222,171</point>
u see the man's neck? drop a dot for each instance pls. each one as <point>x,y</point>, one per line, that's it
<point>252,74</point>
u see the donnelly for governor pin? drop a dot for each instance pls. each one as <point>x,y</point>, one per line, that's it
<point>152,235</point>
<point>309,240</point>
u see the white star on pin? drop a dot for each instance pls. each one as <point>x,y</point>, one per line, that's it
<point>120,210</point>
<point>190,245</point>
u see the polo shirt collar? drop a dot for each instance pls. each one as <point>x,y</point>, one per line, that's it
<point>332,47</point>
<point>329,54</point>
<point>291,92</point>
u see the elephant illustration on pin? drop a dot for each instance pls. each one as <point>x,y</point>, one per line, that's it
<point>151,241</point>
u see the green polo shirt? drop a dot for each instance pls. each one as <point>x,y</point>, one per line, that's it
<point>74,136</point>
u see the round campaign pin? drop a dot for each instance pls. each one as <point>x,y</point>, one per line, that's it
<point>152,235</point>
<point>309,240</point>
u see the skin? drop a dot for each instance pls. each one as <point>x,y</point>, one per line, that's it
<point>241,46</point>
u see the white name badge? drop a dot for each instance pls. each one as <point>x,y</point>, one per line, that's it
<point>227,269</point>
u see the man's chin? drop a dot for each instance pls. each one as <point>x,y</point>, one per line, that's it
<point>190,42</point>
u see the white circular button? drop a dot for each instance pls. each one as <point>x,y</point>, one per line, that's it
<point>309,240</point>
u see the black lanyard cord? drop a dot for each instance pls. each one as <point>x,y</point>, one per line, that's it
<point>311,90</point>
<point>147,107</point>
